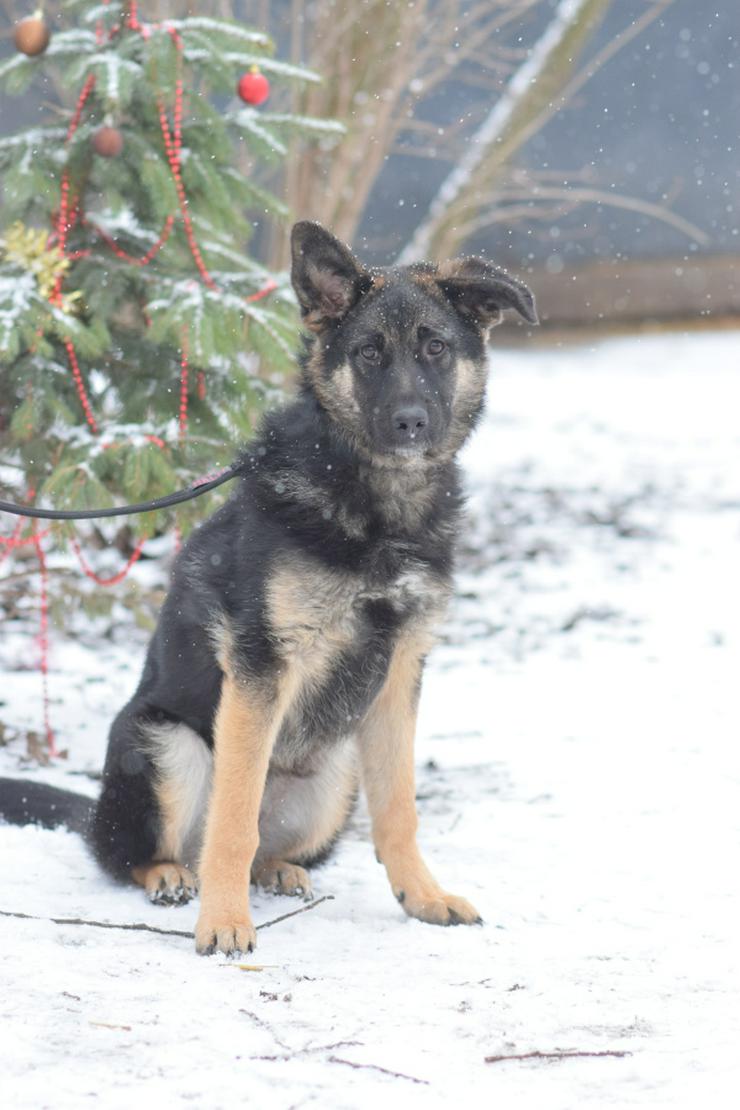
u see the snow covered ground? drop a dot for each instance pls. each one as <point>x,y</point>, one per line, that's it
<point>578,780</point>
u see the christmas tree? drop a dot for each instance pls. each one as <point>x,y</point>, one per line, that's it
<point>137,337</point>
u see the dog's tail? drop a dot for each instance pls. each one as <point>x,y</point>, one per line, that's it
<point>24,802</point>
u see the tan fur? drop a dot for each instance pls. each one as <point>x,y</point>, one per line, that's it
<point>387,750</point>
<point>171,802</point>
<point>337,393</point>
<point>183,764</point>
<point>313,610</point>
<point>166,881</point>
<point>310,612</point>
<point>281,877</point>
<point>469,388</point>
<point>246,726</point>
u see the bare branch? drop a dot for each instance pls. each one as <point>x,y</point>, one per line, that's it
<point>376,1067</point>
<point>572,21</point>
<point>551,1056</point>
<point>580,195</point>
<point>595,64</point>
<point>139,926</point>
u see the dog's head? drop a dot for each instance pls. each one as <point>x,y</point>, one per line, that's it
<point>399,356</point>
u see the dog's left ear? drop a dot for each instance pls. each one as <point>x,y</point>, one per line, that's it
<point>326,276</point>
<point>481,291</point>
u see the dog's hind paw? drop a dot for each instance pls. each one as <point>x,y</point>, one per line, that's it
<point>279,877</point>
<point>166,884</point>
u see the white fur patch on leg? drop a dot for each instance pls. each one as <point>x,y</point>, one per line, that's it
<point>184,766</point>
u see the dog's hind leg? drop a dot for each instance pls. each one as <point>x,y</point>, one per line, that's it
<point>183,767</point>
<point>166,884</point>
<point>148,820</point>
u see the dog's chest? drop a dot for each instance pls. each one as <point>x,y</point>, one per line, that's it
<point>337,632</point>
<point>316,613</point>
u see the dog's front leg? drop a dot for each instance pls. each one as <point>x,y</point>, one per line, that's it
<point>246,725</point>
<point>387,752</point>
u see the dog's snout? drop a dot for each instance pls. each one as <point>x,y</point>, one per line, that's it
<point>409,421</point>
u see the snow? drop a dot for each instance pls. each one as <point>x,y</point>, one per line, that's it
<point>578,768</point>
<point>18,294</point>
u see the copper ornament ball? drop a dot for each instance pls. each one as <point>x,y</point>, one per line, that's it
<point>32,36</point>
<point>108,142</point>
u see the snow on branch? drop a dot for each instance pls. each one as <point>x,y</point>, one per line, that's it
<point>306,123</point>
<point>219,27</point>
<point>62,42</point>
<point>35,137</point>
<point>18,295</point>
<point>248,119</point>
<point>244,61</point>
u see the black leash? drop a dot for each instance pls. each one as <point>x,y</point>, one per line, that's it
<point>122,510</point>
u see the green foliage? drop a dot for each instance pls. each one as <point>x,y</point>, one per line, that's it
<point>128,323</point>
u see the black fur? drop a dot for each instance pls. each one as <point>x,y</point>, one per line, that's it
<point>24,802</point>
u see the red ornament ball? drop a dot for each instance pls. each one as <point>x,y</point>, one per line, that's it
<point>32,36</point>
<point>108,142</point>
<point>253,87</point>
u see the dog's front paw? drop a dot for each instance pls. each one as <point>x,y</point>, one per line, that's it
<point>437,907</point>
<point>232,934</point>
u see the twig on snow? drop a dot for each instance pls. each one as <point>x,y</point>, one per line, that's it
<point>376,1067</point>
<point>267,1027</point>
<point>139,926</point>
<point>551,1055</point>
<point>310,1050</point>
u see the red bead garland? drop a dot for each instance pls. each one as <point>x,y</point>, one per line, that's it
<point>80,386</point>
<point>114,578</point>
<point>44,643</point>
<point>145,259</point>
<point>184,374</point>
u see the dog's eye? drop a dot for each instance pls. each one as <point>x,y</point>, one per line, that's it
<point>369,352</point>
<point>436,346</point>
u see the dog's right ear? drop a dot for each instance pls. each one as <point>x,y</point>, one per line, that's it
<point>326,277</point>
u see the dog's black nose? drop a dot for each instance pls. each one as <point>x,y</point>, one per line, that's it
<point>410,421</point>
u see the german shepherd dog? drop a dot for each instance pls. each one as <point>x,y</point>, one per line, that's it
<point>287,662</point>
